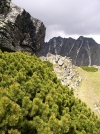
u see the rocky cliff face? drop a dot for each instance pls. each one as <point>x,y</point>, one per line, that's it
<point>18,30</point>
<point>83,51</point>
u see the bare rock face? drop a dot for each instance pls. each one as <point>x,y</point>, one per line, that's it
<point>4,6</point>
<point>18,30</point>
<point>83,51</point>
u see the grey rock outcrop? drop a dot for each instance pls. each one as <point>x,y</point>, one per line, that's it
<point>18,30</point>
<point>64,69</point>
<point>4,6</point>
<point>83,51</point>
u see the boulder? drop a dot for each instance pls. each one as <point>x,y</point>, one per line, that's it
<point>60,62</point>
<point>19,31</point>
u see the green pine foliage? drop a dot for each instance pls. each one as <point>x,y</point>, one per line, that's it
<point>50,65</point>
<point>33,101</point>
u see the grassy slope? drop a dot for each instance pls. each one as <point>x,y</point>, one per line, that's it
<point>89,88</point>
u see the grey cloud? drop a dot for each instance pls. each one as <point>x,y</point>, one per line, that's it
<point>81,17</point>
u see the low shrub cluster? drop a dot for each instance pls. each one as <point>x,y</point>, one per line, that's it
<point>33,101</point>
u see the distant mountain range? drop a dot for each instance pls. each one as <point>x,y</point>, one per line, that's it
<point>83,51</point>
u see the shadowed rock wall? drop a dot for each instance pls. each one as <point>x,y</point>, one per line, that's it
<point>19,31</point>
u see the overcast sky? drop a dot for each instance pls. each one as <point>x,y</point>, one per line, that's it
<point>66,18</point>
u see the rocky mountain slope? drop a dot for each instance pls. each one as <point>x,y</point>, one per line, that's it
<point>19,31</point>
<point>64,70</point>
<point>85,84</point>
<point>83,51</point>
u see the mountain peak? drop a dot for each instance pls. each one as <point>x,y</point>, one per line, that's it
<point>81,37</point>
<point>83,51</point>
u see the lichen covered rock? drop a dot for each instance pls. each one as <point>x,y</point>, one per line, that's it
<point>4,6</point>
<point>19,31</point>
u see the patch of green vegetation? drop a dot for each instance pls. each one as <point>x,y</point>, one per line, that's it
<point>33,101</point>
<point>49,64</point>
<point>89,68</point>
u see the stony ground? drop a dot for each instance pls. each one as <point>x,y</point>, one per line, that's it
<point>64,70</point>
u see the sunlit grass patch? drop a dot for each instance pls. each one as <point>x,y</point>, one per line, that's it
<point>89,68</point>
